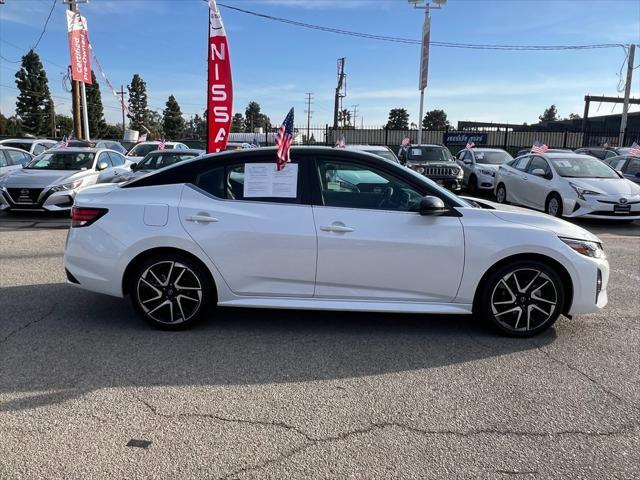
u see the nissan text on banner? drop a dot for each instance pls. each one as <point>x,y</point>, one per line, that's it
<point>79,47</point>
<point>220,86</point>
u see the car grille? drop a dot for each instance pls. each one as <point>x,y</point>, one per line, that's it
<point>440,171</point>
<point>609,213</point>
<point>24,196</point>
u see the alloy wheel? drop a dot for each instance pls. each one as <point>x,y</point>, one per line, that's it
<point>553,207</point>
<point>524,300</point>
<point>169,292</point>
<point>501,195</point>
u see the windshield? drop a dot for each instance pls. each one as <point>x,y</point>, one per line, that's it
<point>62,161</point>
<point>430,154</point>
<point>387,155</point>
<point>160,160</point>
<point>582,167</point>
<point>493,158</point>
<point>142,149</point>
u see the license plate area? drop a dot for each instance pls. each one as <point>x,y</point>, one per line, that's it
<point>622,209</point>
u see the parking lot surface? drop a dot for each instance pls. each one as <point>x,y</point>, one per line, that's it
<point>275,394</point>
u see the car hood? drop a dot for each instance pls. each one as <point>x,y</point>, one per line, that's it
<point>432,164</point>
<point>523,216</point>
<point>607,186</point>
<point>33,178</point>
<point>488,166</point>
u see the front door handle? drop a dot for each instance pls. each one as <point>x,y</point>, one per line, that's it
<point>201,218</point>
<point>336,228</point>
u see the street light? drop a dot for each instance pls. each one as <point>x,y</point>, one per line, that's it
<point>424,51</point>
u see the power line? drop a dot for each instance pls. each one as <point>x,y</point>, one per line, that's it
<point>44,28</point>
<point>412,41</point>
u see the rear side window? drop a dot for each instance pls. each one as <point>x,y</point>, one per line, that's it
<point>17,158</point>
<point>116,159</point>
<point>3,160</point>
<point>38,149</point>
<point>633,168</point>
<point>538,163</point>
<point>520,163</point>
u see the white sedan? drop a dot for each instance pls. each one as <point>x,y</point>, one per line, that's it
<point>568,185</point>
<point>335,230</point>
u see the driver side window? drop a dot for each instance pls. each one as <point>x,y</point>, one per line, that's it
<point>351,185</point>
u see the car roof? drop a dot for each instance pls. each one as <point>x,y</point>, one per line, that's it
<point>26,140</point>
<point>428,145</point>
<point>78,150</point>
<point>483,149</point>
<point>179,152</point>
<point>552,155</point>
<point>4,147</point>
<point>375,148</point>
<point>156,142</point>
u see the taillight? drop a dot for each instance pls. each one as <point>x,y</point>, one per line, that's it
<point>83,217</point>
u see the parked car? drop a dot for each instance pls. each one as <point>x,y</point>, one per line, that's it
<point>629,166</point>
<point>434,162</point>
<point>139,150</point>
<point>568,184</point>
<point>108,144</point>
<point>479,166</point>
<point>51,181</point>
<point>525,151</point>
<point>379,150</point>
<point>232,231</point>
<point>35,146</point>
<point>12,159</point>
<point>151,162</point>
<point>600,153</point>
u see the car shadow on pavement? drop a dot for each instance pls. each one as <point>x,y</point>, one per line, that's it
<point>70,342</point>
<point>11,221</point>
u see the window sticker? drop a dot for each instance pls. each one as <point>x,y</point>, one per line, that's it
<point>479,155</point>
<point>333,186</point>
<point>264,180</point>
<point>416,151</point>
<point>563,163</point>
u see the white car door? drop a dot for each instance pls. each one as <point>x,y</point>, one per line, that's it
<point>514,180</point>
<point>538,187</point>
<point>372,246</point>
<point>262,246</point>
<point>12,160</point>
<point>468,165</point>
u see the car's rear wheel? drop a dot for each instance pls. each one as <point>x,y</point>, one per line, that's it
<point>553,206</point>
<point>501,194</point>
<point>522,299</point>
<point>170,291</point>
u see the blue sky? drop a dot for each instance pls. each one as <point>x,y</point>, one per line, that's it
<point>276,64</point>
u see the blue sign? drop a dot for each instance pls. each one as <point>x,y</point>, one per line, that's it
<point>463,138</point>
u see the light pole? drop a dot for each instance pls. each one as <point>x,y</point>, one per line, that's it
<point>424,52</point>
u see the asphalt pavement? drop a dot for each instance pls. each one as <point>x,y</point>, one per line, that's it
<point>87,390</point>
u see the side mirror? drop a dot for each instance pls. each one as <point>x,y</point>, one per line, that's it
<point>430,205</point>
<point>538,172</point>
<point>133,166</point>
<point>103,165</point>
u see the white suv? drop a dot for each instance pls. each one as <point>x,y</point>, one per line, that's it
<point>479,167</point>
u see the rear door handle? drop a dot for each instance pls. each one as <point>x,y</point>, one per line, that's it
<point>337,228</point>
<point>201,218</point>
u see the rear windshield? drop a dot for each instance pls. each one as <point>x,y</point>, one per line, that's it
<point>160,160</point>
<point>492,158</point>
<point>582,167</point>
<point>142,149</point>
<point>62,161</point>
<point>430,154</point>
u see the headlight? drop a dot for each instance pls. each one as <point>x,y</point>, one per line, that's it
<point>585,247</point>
<point>491,173</point>
<point>456,172</point>
<point>582,191</point>
<point>420,170</point>
<point>66,186</point>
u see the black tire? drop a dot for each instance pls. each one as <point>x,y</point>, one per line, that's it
<point>501,193</point>
<point>473,185</point>
<point>524,311</point>
<point>549,207</point>
<point>180,302</point>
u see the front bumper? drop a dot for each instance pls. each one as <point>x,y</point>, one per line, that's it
<point>453,184</point>
<point>36,200</point>
<point>590,285</point>
<point>602,207</point>
<point>485,182</point>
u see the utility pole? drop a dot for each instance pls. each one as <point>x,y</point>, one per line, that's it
<point>53,120</point>
<point>308,112</point>
<point>355,114</point>
<point>121,94</point>
<point>424,52</point>
<point>341,91</point>
<point>627,93</point>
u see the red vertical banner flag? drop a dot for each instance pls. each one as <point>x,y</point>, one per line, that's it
<point>79,47</point>
<point>220,85</point>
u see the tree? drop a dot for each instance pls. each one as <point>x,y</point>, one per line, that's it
<point>172,121</point>
<point>154,124</point>
<point>574,116</point>
<point>398,119</point>
<point>238,123</point>
<point>3,124</point>
<point>64,125</point>
<point>254,118</point>
<point>550,114</point>
<point>139,113</point>
<point>435,120</point>
<point>112,132</point>
<point>344,117</point>
<point>33,105</point>
<point>95,111</point>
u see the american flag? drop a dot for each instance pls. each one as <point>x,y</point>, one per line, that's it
<point>283,141</point>
<point>162,144</point>
<point>342,142</point>
<point>470,144</point>
<point>406,141</point>
<point>539,147</point>
<point>635,150</point>
<point>605,145</point>
<point>64,143</point>
<point>142,138</point>
<point>255,143</point>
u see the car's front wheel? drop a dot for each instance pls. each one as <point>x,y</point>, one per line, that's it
<point>522,299</point>
<point>170,291</point>
<point>501,194</point>
<point>554,205</point>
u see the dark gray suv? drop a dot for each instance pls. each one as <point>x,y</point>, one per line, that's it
<point>434,162</point>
